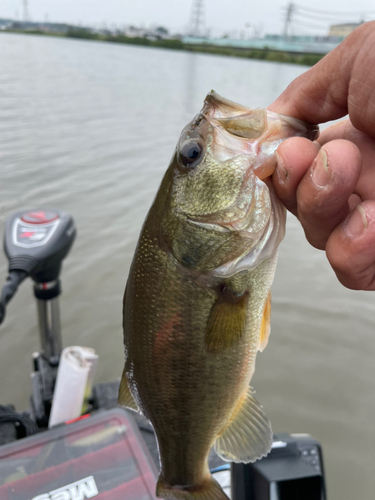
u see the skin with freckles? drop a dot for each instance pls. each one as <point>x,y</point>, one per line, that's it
<point>330,184</point>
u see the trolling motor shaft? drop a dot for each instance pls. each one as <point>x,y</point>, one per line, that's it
<point>46,295</point>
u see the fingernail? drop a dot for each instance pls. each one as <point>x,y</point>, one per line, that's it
<point>281,171</point>
<point>357,222</point>
<point>321,174</point>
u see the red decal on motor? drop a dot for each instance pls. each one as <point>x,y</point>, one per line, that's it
<point>27,234</point>
<point>38,215</point>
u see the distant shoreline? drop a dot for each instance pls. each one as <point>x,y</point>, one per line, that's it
<point>176,44</point>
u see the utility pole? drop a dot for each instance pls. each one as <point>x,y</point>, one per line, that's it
<point>288,29</point>
<point>196,25</point>
<point>26,16</point>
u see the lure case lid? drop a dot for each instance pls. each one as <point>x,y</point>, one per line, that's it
<point>100,456</point>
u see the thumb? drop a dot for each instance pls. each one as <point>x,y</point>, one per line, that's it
<point>341,83</point>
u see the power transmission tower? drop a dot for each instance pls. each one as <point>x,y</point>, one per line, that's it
<point>26,16</point>
<point>288,28</point>
<point>196,26</point>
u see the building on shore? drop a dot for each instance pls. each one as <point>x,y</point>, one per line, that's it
<point>342,30</point>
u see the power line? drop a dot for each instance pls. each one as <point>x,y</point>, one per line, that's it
<point>330,12</point>
<point>298,17</point>
<point>317,17</point>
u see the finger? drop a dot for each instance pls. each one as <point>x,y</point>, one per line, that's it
<point>294,157</point>
<point>339,130</point>
<point>351,248</point>
<point>341,83</point>
<point>345,130</point>
<point>324,192</point>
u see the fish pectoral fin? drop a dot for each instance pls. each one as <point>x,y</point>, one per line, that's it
<point>226,322</point>
<point>248,437</point>
<point>125,397</point>
<point>265,329</point>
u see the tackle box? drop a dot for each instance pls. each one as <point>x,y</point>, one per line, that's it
<point>100,456</point>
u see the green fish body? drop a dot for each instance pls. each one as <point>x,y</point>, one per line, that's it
<point>197,300</point>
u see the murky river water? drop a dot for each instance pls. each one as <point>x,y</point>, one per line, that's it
<point>90,128</point>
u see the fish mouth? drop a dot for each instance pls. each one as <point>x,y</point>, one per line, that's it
<point>256,132</point>
<point>251,141</point>
<point>250,123</point>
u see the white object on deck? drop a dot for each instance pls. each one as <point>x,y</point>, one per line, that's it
<point>73,383</point>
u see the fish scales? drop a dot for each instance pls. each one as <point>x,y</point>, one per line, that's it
<point>195,305</point>
<point>172,343</point>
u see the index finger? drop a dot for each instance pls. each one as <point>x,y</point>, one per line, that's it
<point>341,83</point>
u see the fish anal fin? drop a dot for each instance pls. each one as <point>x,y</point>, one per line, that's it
<point>125,397</point>
<point>266,325</point>
<point>226,322</point>
<point>209,490</point>
<point>248,436</point>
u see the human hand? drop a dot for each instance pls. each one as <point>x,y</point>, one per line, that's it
<point>330,185</point>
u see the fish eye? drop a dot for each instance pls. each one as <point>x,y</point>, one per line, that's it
<point>191,153</point>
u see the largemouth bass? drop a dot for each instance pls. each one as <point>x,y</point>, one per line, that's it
<point>197,301</point>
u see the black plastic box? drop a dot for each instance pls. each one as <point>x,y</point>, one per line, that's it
<point>292,471</point>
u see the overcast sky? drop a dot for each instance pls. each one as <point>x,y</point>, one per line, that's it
<point>221,15</point>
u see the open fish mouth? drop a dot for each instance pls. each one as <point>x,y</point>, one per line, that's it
<point>256,132</point>
<point>251,123</point>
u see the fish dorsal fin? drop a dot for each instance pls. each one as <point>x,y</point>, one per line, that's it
<point>266,325</point>
<point>125,397</point>
<point>226,322</point>
<point>248,436</point>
